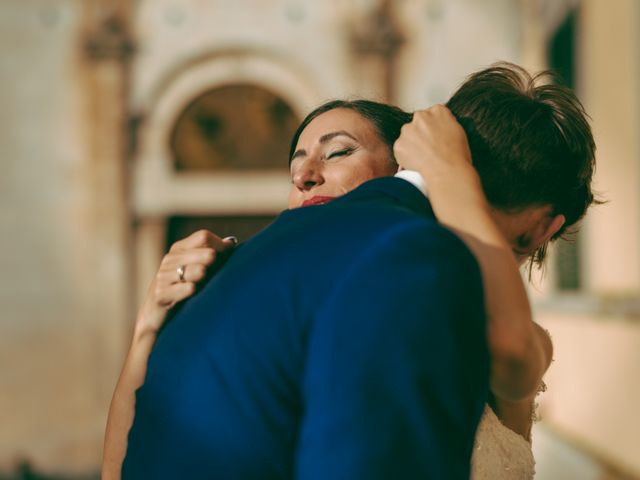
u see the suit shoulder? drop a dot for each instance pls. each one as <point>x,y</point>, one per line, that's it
<point>425,236</point>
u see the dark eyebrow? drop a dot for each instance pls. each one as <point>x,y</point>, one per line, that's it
<point>328,136</point>
<point>324,139</point>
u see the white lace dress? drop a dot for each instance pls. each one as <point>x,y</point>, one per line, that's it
<point>500,453</point>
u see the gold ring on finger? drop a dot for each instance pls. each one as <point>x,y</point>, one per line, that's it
<point>181,270</point>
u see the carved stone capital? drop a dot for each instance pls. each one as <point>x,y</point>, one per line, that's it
<point>377,34</point>
<point>109,41</point>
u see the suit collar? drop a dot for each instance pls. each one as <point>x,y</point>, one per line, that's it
<point>397,188</point>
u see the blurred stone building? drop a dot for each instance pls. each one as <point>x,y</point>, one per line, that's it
<point>128,124</point>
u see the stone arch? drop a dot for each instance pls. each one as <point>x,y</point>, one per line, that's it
<point>157,188</point>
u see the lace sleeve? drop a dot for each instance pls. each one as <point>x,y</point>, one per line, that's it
<point>535,416</point>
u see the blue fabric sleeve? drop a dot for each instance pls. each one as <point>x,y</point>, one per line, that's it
<point>397,370</point>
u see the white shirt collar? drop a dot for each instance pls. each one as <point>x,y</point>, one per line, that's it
<point>415,179</point>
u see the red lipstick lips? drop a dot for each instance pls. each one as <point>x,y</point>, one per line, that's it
<point>317,200</point>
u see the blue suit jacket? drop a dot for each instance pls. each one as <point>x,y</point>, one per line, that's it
<point>344,341</point>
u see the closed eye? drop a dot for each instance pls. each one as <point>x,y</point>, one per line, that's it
<point>340,153</point>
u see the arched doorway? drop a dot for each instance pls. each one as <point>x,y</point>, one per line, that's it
<point>232,128</point>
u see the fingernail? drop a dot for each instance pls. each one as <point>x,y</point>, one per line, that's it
<point>232,239</point>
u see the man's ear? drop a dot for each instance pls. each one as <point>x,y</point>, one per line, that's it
<point>544,231</point>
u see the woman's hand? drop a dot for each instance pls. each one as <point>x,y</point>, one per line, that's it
<point>192,256</point>
<point>435,145</point>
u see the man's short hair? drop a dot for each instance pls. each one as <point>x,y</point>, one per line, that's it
<point>530,141</point>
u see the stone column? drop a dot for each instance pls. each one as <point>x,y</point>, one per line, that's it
<point>150,240</point>
<point>375,40</point>
<point>104,261</point>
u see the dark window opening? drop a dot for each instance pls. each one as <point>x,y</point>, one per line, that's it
<point>562,59</point>
<point>242,227</point>
<point>235,127</point>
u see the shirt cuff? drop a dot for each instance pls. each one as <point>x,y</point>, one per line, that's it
<point>415,179</point>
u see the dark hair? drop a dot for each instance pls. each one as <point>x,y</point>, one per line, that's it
<point>386,119</point>
<point>530,142</point>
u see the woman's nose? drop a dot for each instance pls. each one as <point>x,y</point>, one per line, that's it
<point>308,175</point>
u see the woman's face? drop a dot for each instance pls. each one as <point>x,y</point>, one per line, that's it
<point>336,152</point>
